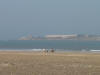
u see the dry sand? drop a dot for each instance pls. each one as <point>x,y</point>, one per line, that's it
<point>39,63</point>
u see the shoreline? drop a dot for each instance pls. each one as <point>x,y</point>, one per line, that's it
<point>40,50</point>
<point>56,53</point>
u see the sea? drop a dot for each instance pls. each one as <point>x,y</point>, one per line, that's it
<point>58,45</point>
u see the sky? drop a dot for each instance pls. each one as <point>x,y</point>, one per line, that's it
<point>42,17</point>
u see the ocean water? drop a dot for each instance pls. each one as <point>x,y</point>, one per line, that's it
<point>62,45</point>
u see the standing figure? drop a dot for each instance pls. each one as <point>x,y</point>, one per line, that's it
<point>45,52</point>
<point>52,50</point>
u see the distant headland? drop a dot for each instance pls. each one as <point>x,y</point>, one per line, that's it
<point>63,37</point>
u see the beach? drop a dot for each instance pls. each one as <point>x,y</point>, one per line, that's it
<point>41,63</point>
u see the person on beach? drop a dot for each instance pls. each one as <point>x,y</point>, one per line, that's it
<point>44,50</point>
<point>52,50</point>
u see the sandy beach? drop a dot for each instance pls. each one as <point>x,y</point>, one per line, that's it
<point>58,63</point>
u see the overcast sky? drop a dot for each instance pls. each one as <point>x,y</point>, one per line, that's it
<point>41,17</point>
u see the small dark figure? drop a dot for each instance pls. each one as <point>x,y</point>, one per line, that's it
<point>47,51</point>
<point>44,50</point>
<point>52,50</point>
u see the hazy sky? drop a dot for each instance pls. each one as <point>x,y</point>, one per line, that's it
<point>40,17</point>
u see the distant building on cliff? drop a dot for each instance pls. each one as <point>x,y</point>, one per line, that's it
<point>61,36</point>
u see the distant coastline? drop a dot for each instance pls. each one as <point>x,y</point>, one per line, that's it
<point>63,37</point>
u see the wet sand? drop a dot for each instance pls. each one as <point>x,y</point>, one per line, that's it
<point>40,63</point>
